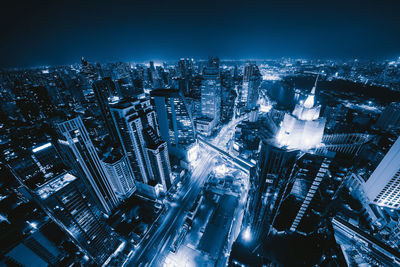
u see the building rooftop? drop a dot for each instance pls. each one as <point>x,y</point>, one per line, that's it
<point>55,185</point>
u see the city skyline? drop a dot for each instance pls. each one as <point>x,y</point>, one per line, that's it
<point>153,133</point>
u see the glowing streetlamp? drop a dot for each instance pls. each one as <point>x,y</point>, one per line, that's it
<point>247,234</point>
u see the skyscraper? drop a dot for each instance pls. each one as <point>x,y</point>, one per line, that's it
<point>132,119</point>
<point>383,186</point>
<point>251,85</point>
<point>185,71</point>
<point>311,169</point>
<point>210,96</point>
<point>175,120</point>
<point>159,159</point>
<point>269,182</point>
<point>103,90</point>
<point>303,129</point>
<point>120,175</point>
<point>68,203</point>
<point>79,152</point>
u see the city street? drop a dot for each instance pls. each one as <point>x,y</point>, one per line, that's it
<point>155,243</point>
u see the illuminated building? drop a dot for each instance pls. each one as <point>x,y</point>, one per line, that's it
<point>68,203</point>
<point>104,90</point>
<point>303,129</point>
<point>251,85</point>
<point>132,118</point>
<point>175,120</point>
<point>211,94</point>
<point>383,186</point>
<point>228,95</point>
<point>158,155</point>
<point>348,145</point>
<point>79,152</point>
<point>120,176</point>
<point>185,71</point>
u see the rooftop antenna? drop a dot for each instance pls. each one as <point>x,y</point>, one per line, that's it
<point>315,86</point>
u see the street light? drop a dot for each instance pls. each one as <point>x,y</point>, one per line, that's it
<point>247,234</point>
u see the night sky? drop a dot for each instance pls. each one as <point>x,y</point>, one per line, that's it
<point>60,32</point>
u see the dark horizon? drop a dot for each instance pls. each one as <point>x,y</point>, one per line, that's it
<point>59,33</point>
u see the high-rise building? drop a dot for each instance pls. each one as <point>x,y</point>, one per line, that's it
<point>159,159</point>
<point>348,145</point>
<point>228,95</point>
<point>185,71</point>
<point>303,129</point>
<point>268,185</point>
<point>251,85</point>
<point>175,120</point>
<point>103,90</point>
<point>132,119</point>
<point>81,155</point>
<point>120,175</point>
<point>211,95</point>
<point>390,117</point>
<point>67,202</point>
<point>383,186</point>
<point>310,170</point>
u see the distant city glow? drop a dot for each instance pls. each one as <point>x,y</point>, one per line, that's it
<point>271,77</point>
<point>41,147</point>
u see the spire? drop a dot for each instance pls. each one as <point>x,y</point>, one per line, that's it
<point>315,86</point>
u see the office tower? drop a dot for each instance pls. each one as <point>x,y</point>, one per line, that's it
<point>383,186</point>
<point>303,129</point>
<point>268,185</point>
<point>251,85</point>
<point>120,175</point>
<point>67,202</point>
<point>390,117</point>
<point>159,159</point>
<point>132,118</point>
<point>347,145</point>
<point>104,90</point>
<point>228,96</point>
<point>175,121</point>
<point>210,97</point>
<point>79,152</point>
<point>185,71</point>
